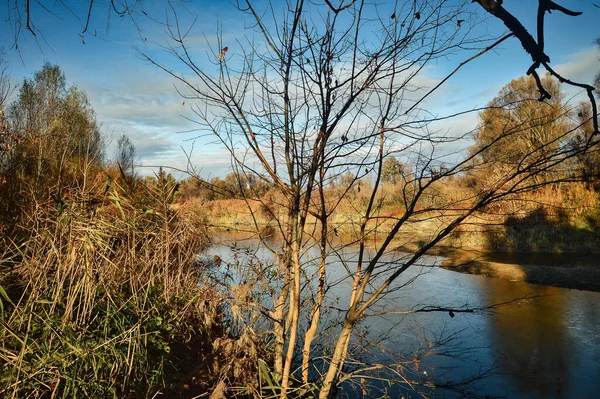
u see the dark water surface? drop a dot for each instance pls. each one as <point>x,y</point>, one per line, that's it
<point>544,346</point>
<point>569,260</point>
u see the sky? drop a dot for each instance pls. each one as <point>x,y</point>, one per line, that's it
<point>133,97</point>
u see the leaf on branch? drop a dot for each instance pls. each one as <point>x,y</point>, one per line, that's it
<point>489,5</point>
<point>222,53</point>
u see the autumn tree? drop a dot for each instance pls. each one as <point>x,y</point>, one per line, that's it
<point>57,124</point>
<point>516,125</point>
<point>195,188</point>
<point>59,140</point>
<point>328,90</point>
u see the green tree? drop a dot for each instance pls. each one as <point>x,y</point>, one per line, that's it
<point>393,171</point>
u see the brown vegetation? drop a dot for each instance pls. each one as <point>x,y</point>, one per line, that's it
<point>327,116</point>
<point>102,292</point>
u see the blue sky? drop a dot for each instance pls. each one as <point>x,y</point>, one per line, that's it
<point>132,97</point>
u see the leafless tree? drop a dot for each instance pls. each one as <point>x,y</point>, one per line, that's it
<point>6,87</point>
<point>125,156</point>
<point>323,91</point>
<point>23,17</point>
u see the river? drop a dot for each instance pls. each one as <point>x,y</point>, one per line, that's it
<point>544,344</point>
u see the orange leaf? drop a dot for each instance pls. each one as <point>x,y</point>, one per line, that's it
<point>223,51</point>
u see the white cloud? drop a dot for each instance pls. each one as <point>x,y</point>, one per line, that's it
<point>581,66</point>
<point>144,104</point>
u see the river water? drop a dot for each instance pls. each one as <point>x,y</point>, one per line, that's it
<point>543,343</point>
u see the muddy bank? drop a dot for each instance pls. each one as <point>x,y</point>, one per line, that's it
<point>574,275</point>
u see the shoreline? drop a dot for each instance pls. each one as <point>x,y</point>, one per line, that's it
<point>564,270</point>
<point>572,277</point>
<point>556,269</point>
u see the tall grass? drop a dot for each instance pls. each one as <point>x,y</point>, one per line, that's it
<point>96,297</point>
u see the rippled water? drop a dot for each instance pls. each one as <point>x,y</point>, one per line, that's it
<point>544,346</point>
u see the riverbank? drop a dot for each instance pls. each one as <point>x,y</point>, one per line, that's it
<point>564,270</point>
<point>581,275</point>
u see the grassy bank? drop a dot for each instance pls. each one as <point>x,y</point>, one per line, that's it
<point>102,301</point>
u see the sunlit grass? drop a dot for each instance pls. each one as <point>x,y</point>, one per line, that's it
<point>97,299</point>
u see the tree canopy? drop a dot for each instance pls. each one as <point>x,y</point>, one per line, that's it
<point>516,125</point>
<point>56,140</point>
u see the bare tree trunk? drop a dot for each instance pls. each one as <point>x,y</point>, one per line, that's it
<point>338,358</point>
<point>322,272</point>
<point>279,332</point>
<point>316,312</point>
<point>279,323</point>
<point>293,312</point>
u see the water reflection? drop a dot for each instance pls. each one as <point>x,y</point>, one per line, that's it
<point>538,342</point>
<point>547,346</point>
<point>530,339</point>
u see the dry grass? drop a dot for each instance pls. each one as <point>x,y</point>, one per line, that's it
<point>94,300</point>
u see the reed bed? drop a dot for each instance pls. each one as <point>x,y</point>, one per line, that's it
<point>96,298</point>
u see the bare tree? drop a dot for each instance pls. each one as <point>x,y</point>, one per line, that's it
<point>89,18</point>
<point>126,156</point>
<point>323,91</point>
<point>6,87</point>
